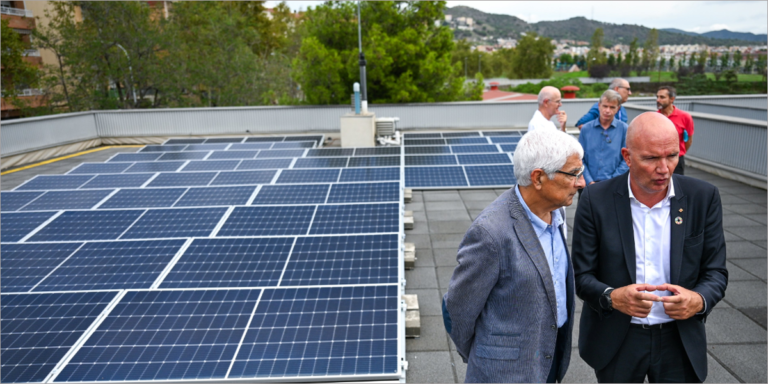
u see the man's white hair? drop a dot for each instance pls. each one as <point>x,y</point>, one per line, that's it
<point>546,149</point>
<point>547,93</point>
<point>617,82</point>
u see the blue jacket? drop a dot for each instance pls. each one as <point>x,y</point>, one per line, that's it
<point>501,299</point>
<point>594,113</point>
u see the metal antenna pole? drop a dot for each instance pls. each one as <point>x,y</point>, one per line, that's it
<point>363,82</point>
<point>130,69</point>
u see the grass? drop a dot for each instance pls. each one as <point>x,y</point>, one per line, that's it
<point>742,77</point>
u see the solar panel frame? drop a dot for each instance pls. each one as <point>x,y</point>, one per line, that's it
<point>411,160</point>
<point>134,157</point>
<point>425,150</point>
<point>370,174</point>
<point>54,182</point>
<point>436,177</point>
<point>184,141</point>
<point>466,140</point>
<point>364,193</point>
<point>214,140</point>
<point>87,225</point>
<point>162,148</point>
<point>290,144</point>
<point>96,168</point>
<point>207,147</point>
<point>292,194</point>
<point>210,165</point>
<point>374,161</point>
<point>274,163</point>
<point>17,225</point>
<point>175,223</point>
<point>478,174</point>
<point>330,152</point>
<point>484,158</point>
<point>268,221</point>
<point>249,146</point>
<point>356,218</point>
<point>228,155</point>
<point>243,177</point>
<point>183,179</point>
<point>25,265</point>
<point>143,198</point>
<point>13,201</point>
<point>479,148</point>
<point>321,162</point>
<point>122,180</point>
<point>157,166</point>
<point>271,153</point>
<point>377,151</point>
<point>293,176</point>
<point>215,196</point>
<point>61,200</point>
<point>195,155</point>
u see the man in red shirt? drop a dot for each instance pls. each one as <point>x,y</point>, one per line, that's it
<point>665,99</point>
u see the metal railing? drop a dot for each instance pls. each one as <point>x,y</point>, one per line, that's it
<point>31,53</point>
<point>16,11</point>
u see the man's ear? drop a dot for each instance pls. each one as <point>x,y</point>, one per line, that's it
<point>625,155</point>
<point>536,178</point>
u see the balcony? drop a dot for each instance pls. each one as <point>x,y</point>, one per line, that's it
<point>16,12</point>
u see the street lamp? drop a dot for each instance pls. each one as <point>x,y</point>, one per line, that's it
<point>133,88</point>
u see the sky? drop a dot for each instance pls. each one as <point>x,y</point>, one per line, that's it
<point>692,16</point>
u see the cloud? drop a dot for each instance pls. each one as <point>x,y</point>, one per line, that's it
<point>716,27</point>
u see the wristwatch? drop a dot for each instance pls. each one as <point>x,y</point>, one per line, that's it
<point>605,300</point>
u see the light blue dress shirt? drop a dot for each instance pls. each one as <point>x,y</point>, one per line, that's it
<point>603,160</point>
<point>553,243</point>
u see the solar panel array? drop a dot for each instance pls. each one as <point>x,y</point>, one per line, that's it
<point>201,259</point>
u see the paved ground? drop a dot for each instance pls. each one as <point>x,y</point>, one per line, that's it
<point>736,330</point>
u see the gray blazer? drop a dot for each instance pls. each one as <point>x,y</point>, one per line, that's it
<point>501,299</point>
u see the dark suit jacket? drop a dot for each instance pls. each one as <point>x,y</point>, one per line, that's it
<point>604,256</point>
<point>501,299</point>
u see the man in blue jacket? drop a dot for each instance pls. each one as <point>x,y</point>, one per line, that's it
<point>511,298</point>
<point>622,87</point>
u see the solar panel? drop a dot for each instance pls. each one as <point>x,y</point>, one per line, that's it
<point>320,332</point>
<point>211,165</point>
<point>243,177</point>
<point>422,135</point>
<point>163,148</point>
<point>321,162</point>
<point>39,329</point>
<point>209,196</point>
<point>57,200</point>
<point>89,168</point>
<point>18,225</point>
<point>374,161</point>
<point>281,153</point>
<point>506,139</point>
<point>11,201</point>
<point>434,149</point>
<point>315,138</point>
<point>503,133</point>
<point>489,148</point>
<point>220,263</point>
<point>430,160</point>
<point>118,181</point>
<point>182,179</point>
<point>44,182</point>
<point>25,264</point>
<point>293,144</point>
<point>144,198</point>
<point>508,147</point>
<point>370,174</point>
<point>264,139</point>
<point>416,177</point>
<point>133,157</point>
<point>364,193</point>
<point>265,164</point>
<point>165,166</point>
<point>224,140</point>
<point>250,146</point>
<point>377,151</point>
<point>167,223</point>
<point>112,265</point>
<point>359,218</point>
<point>183,156</point>
<point>232,155</point>
<point>308,176</point>
<point>331,152</point>
<point>207,147</point>
<point>87,225</point>
<point>467,140</point>
<point>184,141</point>
<point>366,259</point>
<point>461,134</point>
<point>292,194</point>
<point>491,175</point>
<point>195,336</point>
<point>268,221</point>
<point>490,158</point>
<point>424,142</point>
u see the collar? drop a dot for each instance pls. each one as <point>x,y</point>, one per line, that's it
<point>674,111</point>
<point>596,123</point>
<point>539,226</point>
<point>665,200</point>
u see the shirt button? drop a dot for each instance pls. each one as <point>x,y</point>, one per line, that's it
<point>548,356</point>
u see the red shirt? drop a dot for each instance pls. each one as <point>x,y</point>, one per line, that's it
<point>683,122</point>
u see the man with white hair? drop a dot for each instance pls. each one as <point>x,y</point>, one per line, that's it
<point>509,305</point>
<point>622,87</point>
<point>549,105</point>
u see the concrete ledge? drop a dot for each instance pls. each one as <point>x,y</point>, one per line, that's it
<point>726,172</point>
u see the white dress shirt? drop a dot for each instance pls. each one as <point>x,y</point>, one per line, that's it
<point>539,121</point>
<point>653,232</point>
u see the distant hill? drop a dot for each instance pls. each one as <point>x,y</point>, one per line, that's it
<point>581,28</point>
<point>724,34</point>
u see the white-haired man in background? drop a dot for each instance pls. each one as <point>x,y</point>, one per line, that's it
<point>549,105</point>
<point>509,305</point>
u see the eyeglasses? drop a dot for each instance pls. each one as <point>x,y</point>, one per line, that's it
<point>576,175</point>
<point>627,88</point>
<point>607,138</point>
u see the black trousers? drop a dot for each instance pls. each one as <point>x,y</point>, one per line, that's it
<point>656,353</point>
<point>680,169</point>
<point>562,334</point>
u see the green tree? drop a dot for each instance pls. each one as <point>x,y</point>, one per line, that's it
<point>672,63</point>
<point>662,63</point>
<point>532,57</point>
<point>17,74</point>
<point>650,50</point>
<point>409,58</point>
<point>737,56</point>
<point>618,59</point>
<point>713,59</point>
<point>594,56</point>
<point>749,63</point>
<point>611,60</point>
<point>761,65</point>
<point>725,58</point>
<point>692,60</point>
<point>702,59</point>
<point>633,58</point>
<point>566,58</point>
